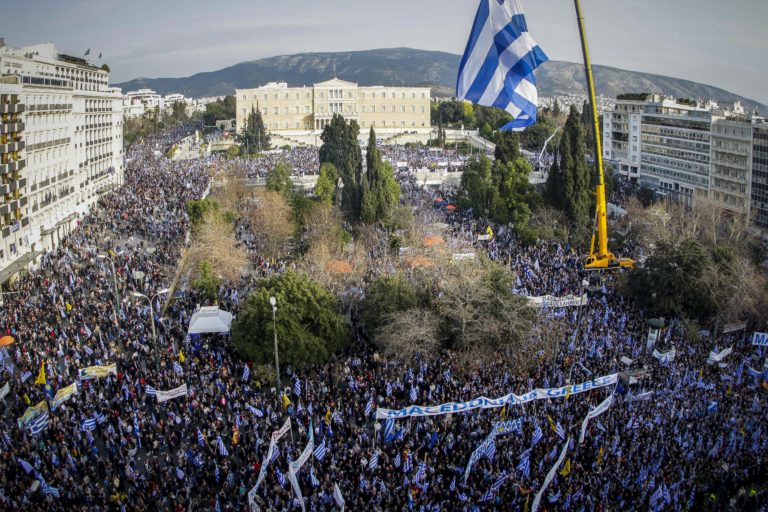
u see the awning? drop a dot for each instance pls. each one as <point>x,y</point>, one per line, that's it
<point>210,319</point>
<point>17,266</point>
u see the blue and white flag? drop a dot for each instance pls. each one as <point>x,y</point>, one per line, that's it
<point>254,410</point>
<point>297,387</point>
<point>537,436</point>
<point>246,372</point>
<point>559,431</point>
<point>25,376</point>
<point>177,368</point>
<point>151,391</point>
<point>374,462</point>
<point>497,69</point>
<point>88,425</point>
<point>369,407</point>
<point>220,446</point>
<point>525,463</point>
<point>179,474</point>
<point>39,424</point>
<point>48,490</point>
<point>320,451</point>
<point>200,438</point>
<point>313,479</point>
<point>26,466</point>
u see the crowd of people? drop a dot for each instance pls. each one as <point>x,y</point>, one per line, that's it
<point>680,434</point>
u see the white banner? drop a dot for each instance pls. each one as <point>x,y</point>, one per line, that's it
<point>5,390</point>
<point>276,435</point>
<point>295,466</point>
<point>164,396</point>
<point>492,403</point>
<point>478,453</point>
<point>665,357</point>
<point>550,301</point>
<point>550,476</point>
<point>737,326</point>
<point>716,357</point>
<point>597,411</point>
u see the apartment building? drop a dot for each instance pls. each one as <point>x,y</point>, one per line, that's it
<point>759,184</point>
<point>683,149</point>
<point>73,137</point>
<point>310,109</point>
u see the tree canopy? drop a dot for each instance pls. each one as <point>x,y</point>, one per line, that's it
<point>254,137</point>
<point>279,179</point>
<point>381,193</point>
<point>309,330</point>
<point>340,148</point>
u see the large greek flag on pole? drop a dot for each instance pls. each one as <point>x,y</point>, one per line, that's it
<point>498,64</point>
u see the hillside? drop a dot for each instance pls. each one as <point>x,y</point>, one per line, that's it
<point>406,66</point>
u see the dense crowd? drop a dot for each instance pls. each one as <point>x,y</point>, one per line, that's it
<point>682,435</point>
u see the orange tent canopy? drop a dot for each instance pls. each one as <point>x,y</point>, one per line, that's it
<point>451,208</point>
<point>338,267</point>
<point>432,241</point>
<point>6,340</point>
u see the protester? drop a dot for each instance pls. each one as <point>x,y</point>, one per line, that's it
<point>688,436</point>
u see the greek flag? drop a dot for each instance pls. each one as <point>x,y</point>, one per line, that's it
<point>216,472</point>
<point>280,477</point>
<point>452,487</point>
<point>559,431</point>
<point>254,410</point>
<point>25,376</point>
<point>389,430</point>
<point>414,394</point>
<point>198,461</point>
<point>179,474</point>
<point>231,479</point>
<point>297,387</point>
<point>369,407</point>
<point>374,462</point>
<point>320,451</point>
<point>499,61</point>
<point>422,472</point>
<point>88,425</point>
<point>397,460</point>
<point>48,490</point>
<point>26,466</point>
<point>39,424</point>
<point>246,373</point>
<point>313,479</point>
<point>151,391</point>
<point>222,449</point>
<point>525,463</point>
<point>200,439</point>
<point>487,496</point>
<point>177,368</point>
<point>490,450</point>
<point>408,464</point>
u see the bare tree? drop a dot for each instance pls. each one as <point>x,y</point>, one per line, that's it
<point>407,333</point>
<point>270,220</point>
<point>214,241</point>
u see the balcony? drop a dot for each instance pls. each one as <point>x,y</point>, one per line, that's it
<point>7,108</point>
<point>12,127</point>
<point>12,146</point>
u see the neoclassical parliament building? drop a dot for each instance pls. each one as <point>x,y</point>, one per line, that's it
<point>286,109</point>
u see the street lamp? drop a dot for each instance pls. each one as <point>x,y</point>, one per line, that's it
<point>139,295</point>
<point>114,279</point>
<point>273,302</point>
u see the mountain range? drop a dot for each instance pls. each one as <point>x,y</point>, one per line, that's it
<point>410,67</point>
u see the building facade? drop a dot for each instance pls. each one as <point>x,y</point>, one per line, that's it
<point>670,145</point>
<point>759,185</point>
<point>73,135</point>
<point>310,109</point>
<point>14,224</point>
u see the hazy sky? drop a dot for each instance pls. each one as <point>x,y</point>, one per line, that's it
<point>717,42</point>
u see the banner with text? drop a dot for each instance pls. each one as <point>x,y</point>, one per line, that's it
<point>62,395</point>
<point>164,396</point>
<point>550,301</point>
<point>94,372</point>
<point>419,411</point>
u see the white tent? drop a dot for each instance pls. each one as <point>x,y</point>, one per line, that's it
<point>210,319</point>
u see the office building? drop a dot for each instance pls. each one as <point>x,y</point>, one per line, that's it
<point>73,138</point>
<point>759,185</point>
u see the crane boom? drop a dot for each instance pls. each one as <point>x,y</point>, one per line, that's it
<point>602,258</point>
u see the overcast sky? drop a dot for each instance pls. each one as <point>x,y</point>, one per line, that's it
<point>716,42</point>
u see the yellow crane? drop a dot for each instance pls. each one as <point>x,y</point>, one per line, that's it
<point>601,258</point>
